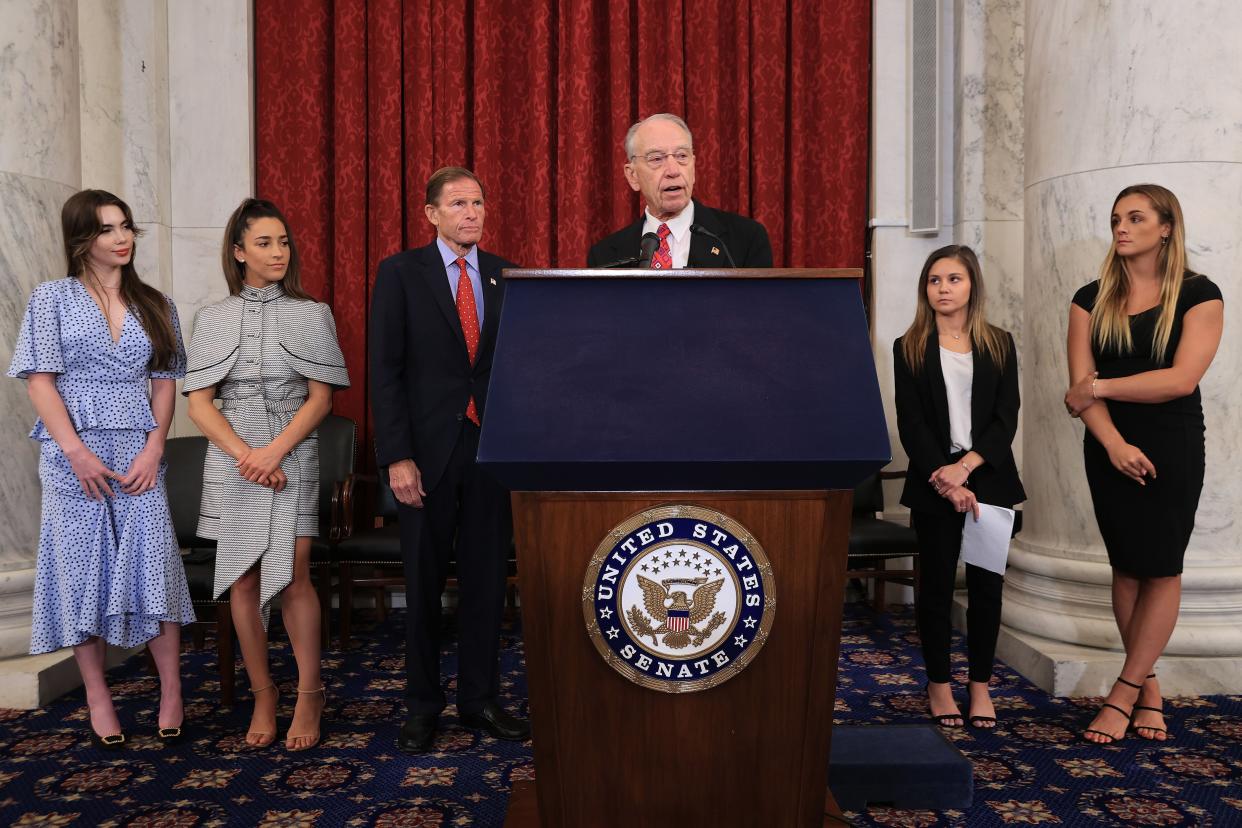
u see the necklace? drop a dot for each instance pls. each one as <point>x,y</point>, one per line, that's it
<point>114,331</point>
<point>956,336</point>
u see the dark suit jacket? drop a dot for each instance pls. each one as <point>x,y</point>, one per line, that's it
<point>421,377</point>
<point>923,423</point>
<point>746,238</point>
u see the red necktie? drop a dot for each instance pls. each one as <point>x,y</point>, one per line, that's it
<point>663,257</point>
<point>468,313</point>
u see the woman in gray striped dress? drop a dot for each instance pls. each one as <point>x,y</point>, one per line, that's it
<point>269,354</point>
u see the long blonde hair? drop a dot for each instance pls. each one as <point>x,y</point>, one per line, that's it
<point>989,339</point>
<point>1110,325</point>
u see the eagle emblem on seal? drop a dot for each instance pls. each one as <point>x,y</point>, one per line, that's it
<point>675,612</point>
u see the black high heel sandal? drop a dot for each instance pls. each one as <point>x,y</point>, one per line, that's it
<point>1127,713</point>
<point>943,720</point>
<point>1137,727</point>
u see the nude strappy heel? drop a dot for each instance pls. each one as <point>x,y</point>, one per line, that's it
<point>317,735</point>
<point>265,737</point>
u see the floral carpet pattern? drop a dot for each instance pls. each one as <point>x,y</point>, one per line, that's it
<point>1033,770</point>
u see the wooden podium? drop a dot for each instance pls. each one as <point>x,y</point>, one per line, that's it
<point>751,394</point>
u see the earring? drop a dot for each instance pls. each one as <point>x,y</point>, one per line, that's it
<point>1164,240</point>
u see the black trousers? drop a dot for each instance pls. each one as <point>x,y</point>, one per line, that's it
<point>940,543</point>
<point>466,519</point>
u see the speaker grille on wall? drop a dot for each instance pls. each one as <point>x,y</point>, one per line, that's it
<point>924,179</point>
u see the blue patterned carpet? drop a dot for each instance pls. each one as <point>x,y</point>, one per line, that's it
<point>1031,770</point>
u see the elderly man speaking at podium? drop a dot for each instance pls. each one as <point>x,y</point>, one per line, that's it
<point>675,230</point>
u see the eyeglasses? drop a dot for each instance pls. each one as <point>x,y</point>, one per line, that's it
<point>655,160</point>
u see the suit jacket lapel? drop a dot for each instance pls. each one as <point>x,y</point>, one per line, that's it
<point>704,250</point>
<point>436,276</point>
<point>934,376</point>
<point>493,293</point>
<point>982,393</point>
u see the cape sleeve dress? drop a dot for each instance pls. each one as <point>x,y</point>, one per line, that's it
<point>259,348</point>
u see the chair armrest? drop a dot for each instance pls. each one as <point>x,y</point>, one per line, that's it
<point>350,499</point>
<point>897,474</point>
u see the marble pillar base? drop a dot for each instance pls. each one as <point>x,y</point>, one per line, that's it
<point>1062,669</point>
<point>28,682</point>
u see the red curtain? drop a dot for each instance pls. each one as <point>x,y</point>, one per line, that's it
<point>359,101</point>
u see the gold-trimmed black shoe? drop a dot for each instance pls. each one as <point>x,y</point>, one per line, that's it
<point>115,741</point>
<point>170,735</point>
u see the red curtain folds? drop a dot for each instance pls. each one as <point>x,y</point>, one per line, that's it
<point>359,101</point>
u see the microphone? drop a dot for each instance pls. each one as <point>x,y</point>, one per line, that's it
<point>703,231</point>
<point>646,249</point>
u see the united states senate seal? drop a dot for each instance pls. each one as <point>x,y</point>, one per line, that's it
<point>679,598</point>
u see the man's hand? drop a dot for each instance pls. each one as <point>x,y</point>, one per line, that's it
<point>407,483</point>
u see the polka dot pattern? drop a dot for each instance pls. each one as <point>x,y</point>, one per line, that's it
<point>258,349</point>
<point>111,567</point>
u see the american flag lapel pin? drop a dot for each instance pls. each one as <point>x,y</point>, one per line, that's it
<point>715,251</point>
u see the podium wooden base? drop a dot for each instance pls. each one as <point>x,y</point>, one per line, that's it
<point>524,808</point>
<point>750,751</point>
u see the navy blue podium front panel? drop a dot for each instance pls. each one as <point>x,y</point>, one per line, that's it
<point>662,384</point>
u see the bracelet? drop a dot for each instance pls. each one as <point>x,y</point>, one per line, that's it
<point>1093,382</point>
<point>968,469</point>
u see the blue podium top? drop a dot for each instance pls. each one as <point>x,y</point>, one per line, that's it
<point>682,381</point>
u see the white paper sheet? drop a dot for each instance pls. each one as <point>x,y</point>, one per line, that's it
<point>985,542</point>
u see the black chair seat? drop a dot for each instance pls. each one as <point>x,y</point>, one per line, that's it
<point>874,538</point>
<point>380,546</point>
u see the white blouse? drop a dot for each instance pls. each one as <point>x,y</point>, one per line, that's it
<point>959,373</point>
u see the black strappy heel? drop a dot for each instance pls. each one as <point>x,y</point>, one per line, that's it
<point>1126,713</point>
<point>942,721</point>
<point>1137,727</point>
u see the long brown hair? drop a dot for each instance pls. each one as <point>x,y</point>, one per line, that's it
<point>80,226</point>
<point>1110,325</point>
<point>250,210</point>
<point>990,339</point>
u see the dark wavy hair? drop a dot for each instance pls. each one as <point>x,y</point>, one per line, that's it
<point>81,225</point>
<point>249,211</point>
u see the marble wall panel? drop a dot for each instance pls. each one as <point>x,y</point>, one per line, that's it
<point>988,100</point>
<point>199,282</point>
<point>124,88</point>
<point>210,70</point>
<point>1066,239</point>
<point>30,252</point>
<point>39,89</point>
<point>1111,84</point>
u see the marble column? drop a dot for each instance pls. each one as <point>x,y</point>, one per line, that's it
<point>40,167</point>
<point>1117,94</point>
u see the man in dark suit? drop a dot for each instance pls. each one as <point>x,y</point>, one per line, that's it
<point>659,152</point>
<point>433,332</point>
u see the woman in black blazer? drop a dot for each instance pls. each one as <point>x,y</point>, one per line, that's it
<point>956,381</point>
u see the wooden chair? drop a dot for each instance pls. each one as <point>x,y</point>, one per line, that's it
<point>338,437</point>
<point>874,540</point>
<point>184,483</point>
<point>368,548</point>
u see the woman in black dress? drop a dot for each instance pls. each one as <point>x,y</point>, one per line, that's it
<point>1140,339</point>
<point>956,380</point>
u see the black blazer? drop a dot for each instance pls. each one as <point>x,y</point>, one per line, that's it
<point>923,423</point>
<point>746,238</point>
<point>420,374</point>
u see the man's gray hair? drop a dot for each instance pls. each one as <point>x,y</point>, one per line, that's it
<point>659,116</point>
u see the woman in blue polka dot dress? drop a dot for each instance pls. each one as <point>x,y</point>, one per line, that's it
<point>101,352</point>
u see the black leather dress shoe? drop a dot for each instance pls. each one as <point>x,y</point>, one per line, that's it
<point>418,733</point>
<point>497,723</point>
